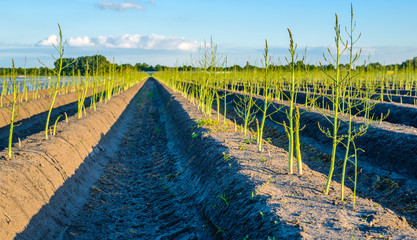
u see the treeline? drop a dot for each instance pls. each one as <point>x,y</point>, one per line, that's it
<point>97,63</point>
<point>41,71</point>
<point>300,65</point>
<point>410,64</point>
<point>100,65</point>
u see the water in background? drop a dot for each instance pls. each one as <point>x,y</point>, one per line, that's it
<point>35,83</point>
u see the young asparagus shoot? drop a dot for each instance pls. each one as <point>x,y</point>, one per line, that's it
<point>245,107</point>
<point>267,94</point>
<point>290,112</point>
<point>57,72</point>
<point>14,111</point>
<point>335,98</point>
<point>56,122</point>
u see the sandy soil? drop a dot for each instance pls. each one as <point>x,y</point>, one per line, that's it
<point>296,203</point>
<point>35,107</point>
<point>39,185</point>
<point>387,167</point>
<point>135,198</point>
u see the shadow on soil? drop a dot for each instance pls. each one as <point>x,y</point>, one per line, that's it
<point>36,123</point>
<point>375,142</point>
<point>55,216</point>
<point>226,198</point>
<point>385,151</point>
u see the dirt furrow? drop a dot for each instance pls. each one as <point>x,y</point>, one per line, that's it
<point>36,123</point>
<point>175,174</point>
<point>386,145</point>
<point>135,197</point>
<point>45,182</point>
<point>390,188</point>
<point>245,194</point>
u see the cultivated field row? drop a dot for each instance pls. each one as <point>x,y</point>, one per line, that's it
<point>188,169</point>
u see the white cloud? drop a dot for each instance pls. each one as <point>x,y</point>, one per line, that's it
<point>129,41</point>
<point>81,42</point>
<point>123,41</point>
<point>155,41</point>
<point>52,39</point>
<point>119,6</point>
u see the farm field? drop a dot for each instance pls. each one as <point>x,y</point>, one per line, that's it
<point>92,148</point>
<point>166,170</point>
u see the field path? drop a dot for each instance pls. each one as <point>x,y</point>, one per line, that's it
<point>134,198</point>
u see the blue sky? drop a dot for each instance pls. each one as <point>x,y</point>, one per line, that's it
<point>168,31</point>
